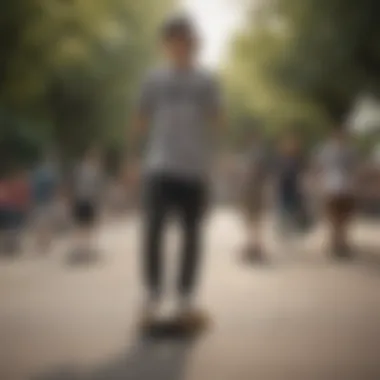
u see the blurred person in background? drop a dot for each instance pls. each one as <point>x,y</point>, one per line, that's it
<point>117,196</point>
<point>224,179</point>
<point>45,188</point>
<point>14,209</point>
<point>179,104</point>
<point>63,211</point>
<point>289,177</point>
<point>132,185</point>
<point>5,213</point>
<point>337,165</point>
<point>87,192</point>
<point>255,175</point>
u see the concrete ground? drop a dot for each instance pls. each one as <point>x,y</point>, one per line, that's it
<point>302,317</point>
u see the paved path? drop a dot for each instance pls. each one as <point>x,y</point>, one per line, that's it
<point>301,318</point>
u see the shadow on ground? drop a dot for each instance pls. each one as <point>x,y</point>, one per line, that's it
<point>150,359</point>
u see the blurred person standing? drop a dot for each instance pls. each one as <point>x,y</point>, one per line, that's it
<point>117,197</point>
<point>289,177</point>
<point>45,188</point>
<point>132,184</point>
<point>256,172</point>
<point>225,175</point>
<point>337,165</point>
<point>63,210</point>
<point>88,188</point>
<point>5,213</point>
<point>14,209</point>
<point>179,103</point>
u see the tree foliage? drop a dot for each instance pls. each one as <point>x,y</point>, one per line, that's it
<point>70,66</point>
<point>306,61</point>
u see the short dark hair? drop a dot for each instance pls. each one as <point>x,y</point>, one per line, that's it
<point>178,27</point>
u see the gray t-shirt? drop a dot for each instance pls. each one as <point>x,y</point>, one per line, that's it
<point>337,163</point>
<point>88,182</point>
<point>179,105</point>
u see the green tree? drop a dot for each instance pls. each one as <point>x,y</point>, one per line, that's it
<point>305,61</point>
<point>71,67</point>
<point>334,52</point>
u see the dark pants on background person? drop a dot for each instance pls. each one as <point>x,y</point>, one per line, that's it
<point>186,200</point>
<point>340,209</point>
<point>291,208</point>
<point>12,222</point>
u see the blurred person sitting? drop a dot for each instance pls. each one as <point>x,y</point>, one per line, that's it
<point>87,192</point>
<point>337,166</point>
<point>180,105</point>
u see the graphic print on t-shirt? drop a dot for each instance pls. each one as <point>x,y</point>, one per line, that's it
<point>179,106</point>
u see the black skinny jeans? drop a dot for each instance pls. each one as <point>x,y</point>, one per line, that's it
<point>185,199</point>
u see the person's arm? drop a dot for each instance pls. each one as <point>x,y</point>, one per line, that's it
<point>138,129</point>
<point>141,117</point>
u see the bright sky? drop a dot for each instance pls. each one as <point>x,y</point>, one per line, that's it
<point>217,20</point>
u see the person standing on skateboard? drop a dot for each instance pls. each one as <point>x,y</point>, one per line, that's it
<point>179,105</point>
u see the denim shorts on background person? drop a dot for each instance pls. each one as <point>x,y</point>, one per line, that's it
<point>287,218</point>
<point>4,218</point>
<point>289,211</point>
<point>294,216</point>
